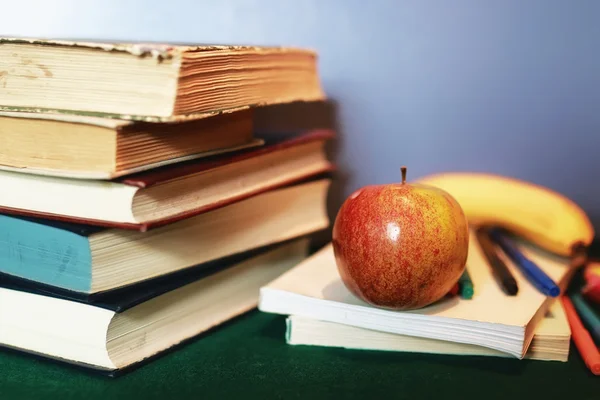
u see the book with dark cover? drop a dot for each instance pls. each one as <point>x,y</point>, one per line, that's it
<point>158,316</point>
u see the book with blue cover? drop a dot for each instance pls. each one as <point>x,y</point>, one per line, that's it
<point>89,260</point>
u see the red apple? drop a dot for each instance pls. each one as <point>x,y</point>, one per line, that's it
<point>400,246</point>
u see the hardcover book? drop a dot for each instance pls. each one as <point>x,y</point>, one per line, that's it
<point>173,193</point>
<point>151,81</point>
<point>84,147</point>
<point>126,328</point>
<point>89,260</point>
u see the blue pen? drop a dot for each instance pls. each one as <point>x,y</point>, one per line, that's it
<point>534,274</point>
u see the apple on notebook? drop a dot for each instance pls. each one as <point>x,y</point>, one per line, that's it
<point>400,246</point>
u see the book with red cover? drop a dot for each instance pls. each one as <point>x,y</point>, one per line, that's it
<point>155,198</point>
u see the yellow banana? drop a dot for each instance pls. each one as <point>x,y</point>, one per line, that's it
<point>544,217</point>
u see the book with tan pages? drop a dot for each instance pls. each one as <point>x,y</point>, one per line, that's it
<point>551,339</point>
<point>87,260</point>
<point>87,147</point>
<point>165,195</point>
<point>151,81</point>
<point>131,327</point>
<point>491,318</point>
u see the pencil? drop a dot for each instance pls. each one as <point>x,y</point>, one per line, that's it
<point>585,345</point>
<point>500,271</point>
<point>537,277</point>
<point>465,285</point>
<point>589,317</point>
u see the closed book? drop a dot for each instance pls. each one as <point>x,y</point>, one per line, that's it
<point>151,81</point>
<point>165,195</point>
<point>491,318</point>
<point>551,339</point>
<point>86,147</point>
<point>88,260</point>
<point>127,328</point>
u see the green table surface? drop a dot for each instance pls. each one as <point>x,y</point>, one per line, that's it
<point>248,358</point>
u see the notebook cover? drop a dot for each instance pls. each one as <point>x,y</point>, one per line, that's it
<point>150,178</point>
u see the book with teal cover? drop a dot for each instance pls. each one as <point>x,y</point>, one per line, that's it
<point>90,260</point>
<point>126,297</point>
<point>52,252</point>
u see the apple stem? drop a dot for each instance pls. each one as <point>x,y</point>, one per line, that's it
<point>403,170</point>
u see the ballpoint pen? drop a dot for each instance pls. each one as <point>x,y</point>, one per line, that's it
<point>499,270</point>
<point>532,272</point>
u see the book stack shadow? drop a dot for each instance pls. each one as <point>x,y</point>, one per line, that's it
<point>140,205</point>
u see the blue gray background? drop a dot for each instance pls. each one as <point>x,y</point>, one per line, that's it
<point>510,87</point>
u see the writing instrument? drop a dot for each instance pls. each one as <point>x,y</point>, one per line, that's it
<point>465,285</point>
<point>532,272</point>
<point>590,276</point>
<point>592,271</point>
<point>454,290</point>
<point>587,315</point>
<point>500,271</point>
<point>583,341</point>
<point>591,292</point>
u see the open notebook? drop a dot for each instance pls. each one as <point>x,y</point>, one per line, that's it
<point>550,342</point>
<point>491,319</point>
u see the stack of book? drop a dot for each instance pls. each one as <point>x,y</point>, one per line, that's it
<point>321,311</point>
<point>138,206</point>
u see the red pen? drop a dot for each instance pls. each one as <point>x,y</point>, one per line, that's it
<point>590,276</point>
<point>585,345</point>
<point>454,290</point>
<point>591,290</point>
